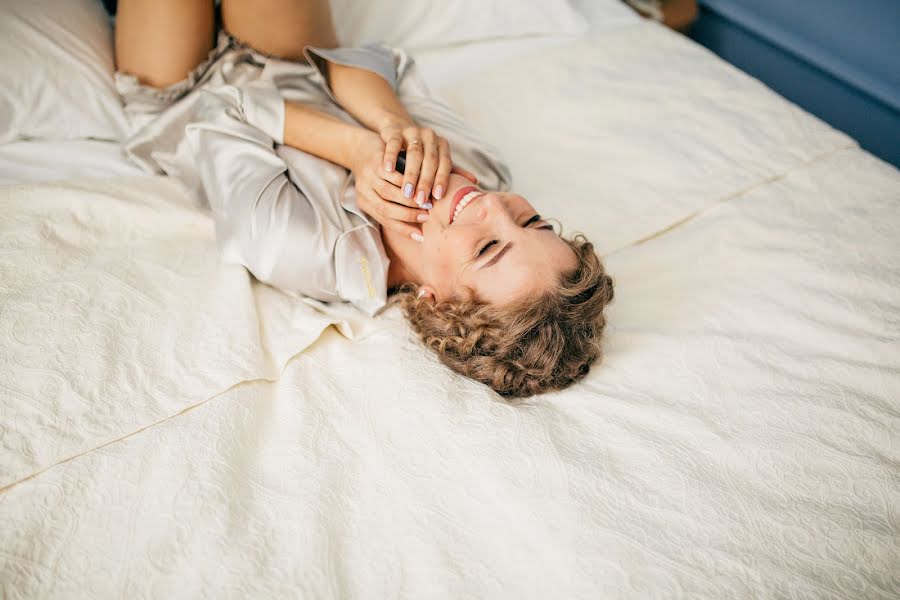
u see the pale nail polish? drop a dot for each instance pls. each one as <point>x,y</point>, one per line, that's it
<point>421,293</point>
<point>422,217</point>
<point>420,197</point>
<point>388,167</point>
<point>417,236</point>
<point>439,192</point>
<point>428,206</point>
<point>407,190</point>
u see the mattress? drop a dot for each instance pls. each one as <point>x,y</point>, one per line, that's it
<point>173,428</point>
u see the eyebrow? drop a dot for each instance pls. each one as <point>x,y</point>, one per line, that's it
<point>497,256</point>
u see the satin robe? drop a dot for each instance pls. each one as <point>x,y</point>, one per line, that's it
<point>290,218</point>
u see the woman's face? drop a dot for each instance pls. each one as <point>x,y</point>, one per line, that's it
<point>497,246</point>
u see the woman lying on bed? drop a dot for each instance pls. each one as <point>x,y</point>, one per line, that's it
<point>293,142</point>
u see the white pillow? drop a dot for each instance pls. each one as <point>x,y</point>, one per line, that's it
<point>421,24</point>
<point>56,71</point>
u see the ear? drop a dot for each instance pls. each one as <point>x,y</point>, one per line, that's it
<point>426,291</point>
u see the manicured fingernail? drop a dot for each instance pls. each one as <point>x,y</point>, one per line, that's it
<point>417,236</point>
<point>428,206</point>
<point>388,167</point>
<point>438,192</point>
<point>421,293</point>
<point>420,197</point>
<point>422,217</point>
<point>407,190</point>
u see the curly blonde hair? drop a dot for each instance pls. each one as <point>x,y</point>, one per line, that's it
<point>529,347</point>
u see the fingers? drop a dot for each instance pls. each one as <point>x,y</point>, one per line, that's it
<point>415,152</point>
<point>391,193</point>
<point>442,177</point>
<point>430,164</point>
<point>398,212</point>
<point>467,174</point>
<point>422,162</point>
<point>393,143</point>
<point>392,216</point>
<point>395,178</point>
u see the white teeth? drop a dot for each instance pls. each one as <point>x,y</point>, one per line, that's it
<point>464,202</point>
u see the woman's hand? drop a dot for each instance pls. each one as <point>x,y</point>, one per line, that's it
<point>428,161</point>
<point>378,191</point>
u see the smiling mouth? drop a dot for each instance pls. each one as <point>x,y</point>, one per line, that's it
<point>461,200</point>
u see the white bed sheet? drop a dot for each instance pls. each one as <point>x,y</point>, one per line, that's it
<point>739,442</point>
<point>740,439</point>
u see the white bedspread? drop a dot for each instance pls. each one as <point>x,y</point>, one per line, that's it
<point>740,439</point>
<point>117,313</point>
<point>627,133</point>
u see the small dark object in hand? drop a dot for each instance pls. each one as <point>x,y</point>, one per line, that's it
<point>401,162</point>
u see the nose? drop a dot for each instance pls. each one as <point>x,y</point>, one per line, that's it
<point>494,208</point>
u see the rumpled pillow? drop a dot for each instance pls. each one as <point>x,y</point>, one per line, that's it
<point>56,72</point>
<point>57,58</point>
<point>438,23</point>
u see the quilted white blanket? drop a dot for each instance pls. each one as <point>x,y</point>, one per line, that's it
<point>117,314</point>
<point>160,435</point>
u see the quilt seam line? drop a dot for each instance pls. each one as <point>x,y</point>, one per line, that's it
<point>161,421</point>
<point>732,196</point>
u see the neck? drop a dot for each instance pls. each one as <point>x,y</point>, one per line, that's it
<point>403,253</point>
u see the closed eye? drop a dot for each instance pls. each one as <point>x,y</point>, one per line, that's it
<point>535,219</point>
<point>486,246</point>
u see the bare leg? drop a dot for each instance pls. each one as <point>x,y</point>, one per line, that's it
<point>161,41</point>
<point>280,27</point>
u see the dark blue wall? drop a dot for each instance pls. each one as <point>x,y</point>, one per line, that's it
<point>838,59</point>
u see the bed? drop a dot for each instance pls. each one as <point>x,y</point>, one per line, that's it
<point>172,428</point>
